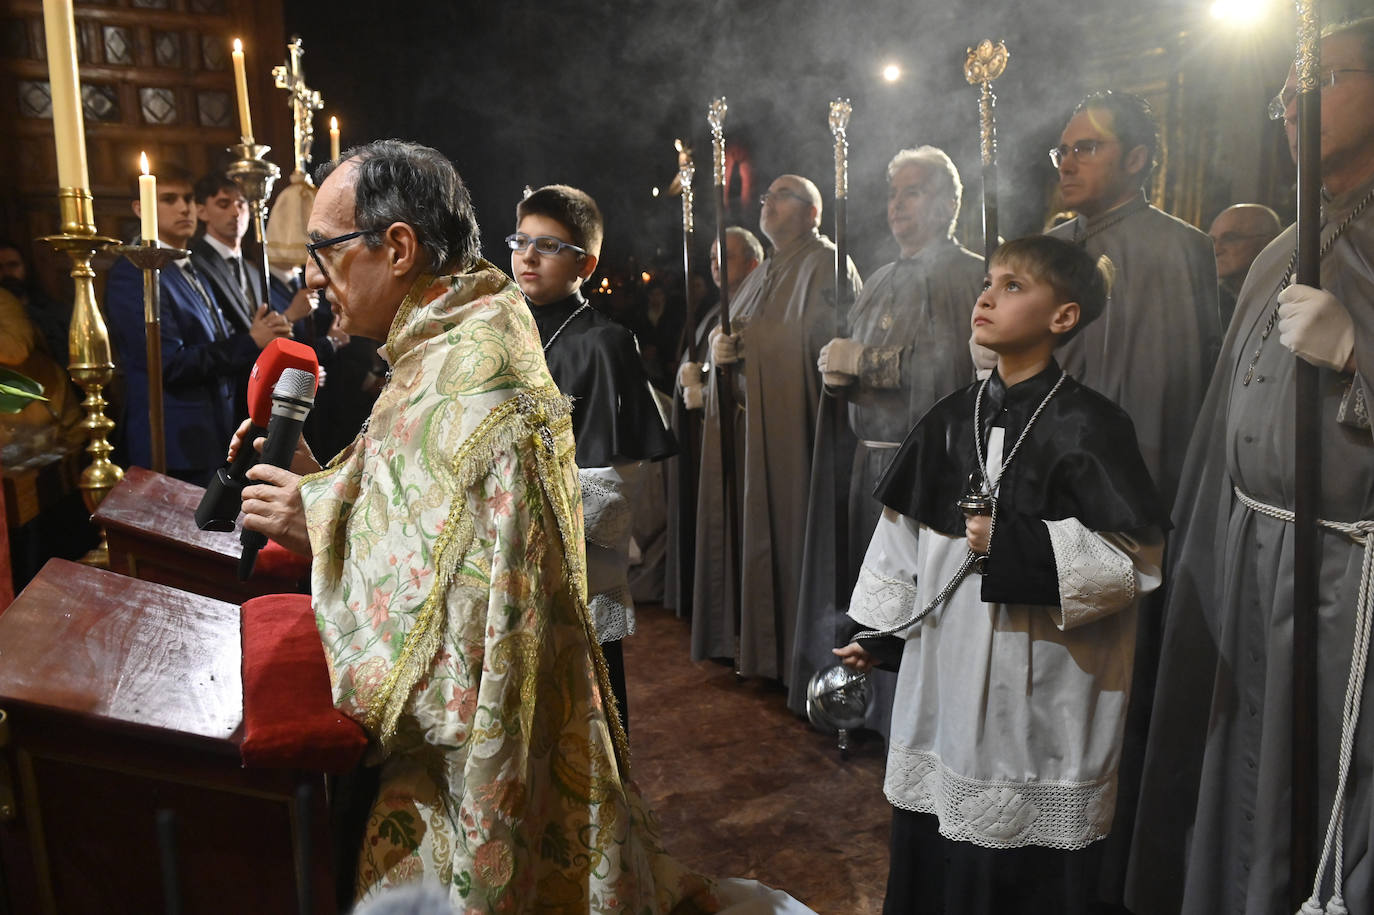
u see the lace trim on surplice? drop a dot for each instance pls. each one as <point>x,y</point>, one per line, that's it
<point>1000,814</point>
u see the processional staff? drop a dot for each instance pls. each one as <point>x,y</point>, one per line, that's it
<point>840,110</point>
<point>287,227</point>
<point>1307,466</point>
<point>725,381</point>
<point>985,63</point>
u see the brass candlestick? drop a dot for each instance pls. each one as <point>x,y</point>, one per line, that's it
<point>149,258</point>
<point>88,347</point>
<point>255,176</point>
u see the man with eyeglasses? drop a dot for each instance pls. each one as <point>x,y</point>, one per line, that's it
<point>1239,234</point>
<point>1214,818</point>
<point>616,421</point>
<point>447,577</point>
<point>782,314</point>
<point>1155,346</point>
<point>905,350</point>
<point>205,347</point>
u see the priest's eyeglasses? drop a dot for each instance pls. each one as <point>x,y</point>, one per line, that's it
<point>545,245</point>
<point>1279,103</point>
<point>1083,149</point>
<point>313,248</point>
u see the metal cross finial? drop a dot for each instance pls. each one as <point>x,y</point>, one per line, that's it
<point>303,100</point>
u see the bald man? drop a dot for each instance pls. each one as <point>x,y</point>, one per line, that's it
<point>782,314</point>
<point>1239,234</point>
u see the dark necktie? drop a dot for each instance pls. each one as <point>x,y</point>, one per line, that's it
<point>217,319</point>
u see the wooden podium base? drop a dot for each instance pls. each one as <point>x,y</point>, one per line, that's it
<point>149,520</point>
<point>123,705</point>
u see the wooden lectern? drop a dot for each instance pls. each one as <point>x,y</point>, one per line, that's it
<point>149,521</point>
<point>122,700</point>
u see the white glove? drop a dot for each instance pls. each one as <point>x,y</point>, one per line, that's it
<point>839,361</point>
<point>984,359</point>
<point>1316,326</point>
<point>689,373</point>
<point>725,349</point>
<point>694,396</point>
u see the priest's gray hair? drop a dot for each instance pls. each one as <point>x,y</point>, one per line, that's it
<point>749,239</point>
<point>400,181</point>
<point>939,169</point>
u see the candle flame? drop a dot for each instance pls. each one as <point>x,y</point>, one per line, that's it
<point>238,46</point>
<point>645,277</point>
<point>143,162</point>
<point>333,123</point>
<point>605,282</point>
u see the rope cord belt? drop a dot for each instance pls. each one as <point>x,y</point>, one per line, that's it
<point>1333,848</point>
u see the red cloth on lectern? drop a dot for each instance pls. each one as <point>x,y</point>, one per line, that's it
<point>289,719</point>
<point>279,562</point>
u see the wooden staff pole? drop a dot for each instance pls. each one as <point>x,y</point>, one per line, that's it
<point>725,386</point>
<point>1307,468</point>
<point>840,110</point>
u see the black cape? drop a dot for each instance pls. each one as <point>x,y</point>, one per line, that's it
<point>595,361</point>
<point>1080,460</point>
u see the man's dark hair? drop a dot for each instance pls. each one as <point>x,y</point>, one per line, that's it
<point>1134,123</point>
<point>210,185</point>
<point>1073,274</point>
<point>1362,29</point>
<point>571,208</point>
<point>400,181</point>
<point>168,173</point>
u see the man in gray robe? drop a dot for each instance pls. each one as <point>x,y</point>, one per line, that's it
<point>743,253</point>
<point>782,315</point>
<point>1214,818</point>
<point>905,350</point>
<point>1239,233</point>
<point>1153,350</point>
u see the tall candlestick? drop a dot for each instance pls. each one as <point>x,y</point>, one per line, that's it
<point>65,85</point>
<point>333,138</point>
<point>241,84</point>
<point>147,200</point>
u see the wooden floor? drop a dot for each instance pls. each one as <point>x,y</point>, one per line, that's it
<point>744,788</point>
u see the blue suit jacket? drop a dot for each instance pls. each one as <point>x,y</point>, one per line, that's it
<point>199,363</point>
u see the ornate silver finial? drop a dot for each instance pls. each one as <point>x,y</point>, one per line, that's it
<point>985,63</point>
<point>840,109</point>
<point>686,171</point>
<point>715,116</point>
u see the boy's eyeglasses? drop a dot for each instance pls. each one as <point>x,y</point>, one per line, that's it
<point>546,245</point>
<point>1279,103</point>
<point>313,247</point>
<point>1083,149</point>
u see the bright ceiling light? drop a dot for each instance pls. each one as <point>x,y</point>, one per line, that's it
<point>892,73</point>
<point>1240,12</point>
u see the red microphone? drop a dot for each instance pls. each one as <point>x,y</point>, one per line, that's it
<point>219,507</point>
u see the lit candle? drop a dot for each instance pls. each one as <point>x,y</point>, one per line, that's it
<point>241,84</point>
<point>333,138</point>
<point>147,200</point>
<point>65,85</point>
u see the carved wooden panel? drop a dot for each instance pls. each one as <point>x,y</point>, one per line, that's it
<point>155,76</point>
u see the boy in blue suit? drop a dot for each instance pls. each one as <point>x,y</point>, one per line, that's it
<point>201,353</point>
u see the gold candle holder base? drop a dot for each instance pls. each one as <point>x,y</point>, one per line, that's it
<point>255,176</point>
<point>88,348</point>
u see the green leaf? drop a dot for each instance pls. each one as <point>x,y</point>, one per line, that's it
<point>17,391</point>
